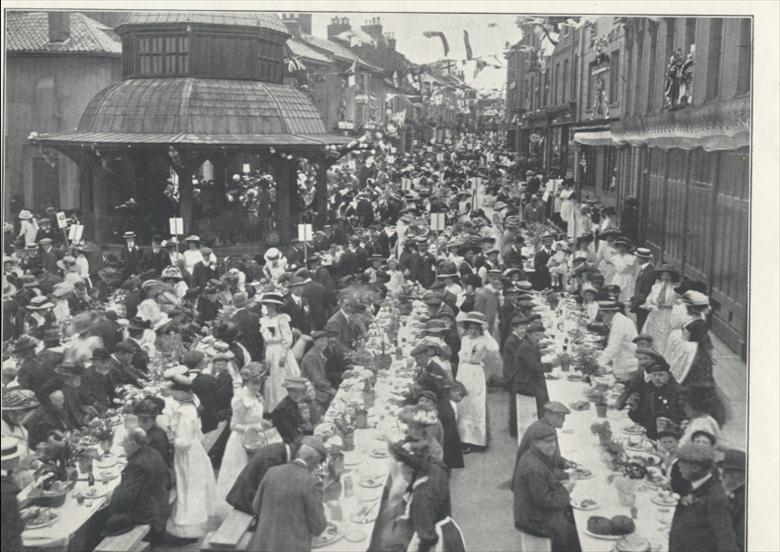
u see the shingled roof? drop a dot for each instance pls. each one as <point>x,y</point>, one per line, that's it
<point>337,50</point>
<point>29,32</point>
<point>269,21</point>
<point>302,50</point>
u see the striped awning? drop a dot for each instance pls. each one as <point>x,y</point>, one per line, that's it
<point>596,138</point>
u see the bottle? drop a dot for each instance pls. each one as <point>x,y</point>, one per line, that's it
<point>348,486</point>
<point>91,479</point>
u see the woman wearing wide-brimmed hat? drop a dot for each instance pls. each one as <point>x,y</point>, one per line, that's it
<point>18,405</point>
<point>625,269</point>
<point>278,339</point>
<point>604,250</point>
<point>659,303</point>
<point>275,264</point>
<point>28,229</point>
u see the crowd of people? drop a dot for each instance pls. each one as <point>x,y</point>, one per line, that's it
<point>259,347</point>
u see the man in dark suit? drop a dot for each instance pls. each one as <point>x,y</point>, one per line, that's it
<point>341,321</point>
<point>645,279</point>
<point>287,417</point>
<point>157,258</point>
<point>245,487</point>
<point>297,307</point>
<point>135,331</point>
<point>529,374</point>
<point>47,256</point>
<point>509,357</point>
<point>142,495</point>
<point>131,255</point>
<point>702,518</point>
<point>541,277</point>
<point>732,469</point>
<point>321,300</point>
<point>413,264</point>
<point>248,323</point>
<point>289,502</point>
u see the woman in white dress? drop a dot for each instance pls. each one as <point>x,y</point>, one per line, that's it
<point>196,490</point>
<point>605,252</point>
<point>625,269</point>
<point>679,351</point>
<point>275,265</point>
<point>247,419</point>
<point>472,409</point>
<point>278,339</point>
<point>659,303</point>
<point>396,276</point>
<point>28,230</point>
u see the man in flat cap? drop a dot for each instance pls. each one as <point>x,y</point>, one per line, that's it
<point>554,416</point>
<point>542,504</point>
<point>530,383</point>
<point>702,519</point>
<point>287,417</point>
<point>732,470</point>
<point>519,324</point>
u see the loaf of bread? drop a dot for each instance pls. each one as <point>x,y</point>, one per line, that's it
<point>622,525</point>
<point>599,525</point>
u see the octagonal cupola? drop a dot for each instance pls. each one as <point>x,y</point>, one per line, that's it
<point>218,45</point>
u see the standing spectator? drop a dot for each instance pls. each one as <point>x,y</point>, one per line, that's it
<point>702,519</point>
<point>620,349</point>
<point>625,269</point>
<point>131,255</point>
<point>732,469</point>
<point>645,278</point>
<point>289,503</point>
<point>629,219</point>
<point>658,307</point>
<point>28,230</point>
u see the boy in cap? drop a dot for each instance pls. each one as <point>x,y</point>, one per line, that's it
<point>287,417</point>
<point>313,367</point>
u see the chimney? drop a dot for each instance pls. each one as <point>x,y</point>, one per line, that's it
<point>373,28</point>
<point>59,26</point>
<point>292,23</point>
<point>304,21</point>
<point>390,40</point>
<point>337,26</point>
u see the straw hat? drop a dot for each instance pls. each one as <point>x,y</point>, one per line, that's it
<point>20,399</point>
<point>272,298</point>
<point>39,302</point>
<point>474,317</point>
<point>272,254</point>
<point>24,214</point>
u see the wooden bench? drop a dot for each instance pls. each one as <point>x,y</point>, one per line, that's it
<point>232,534</point>
<point>126,542</point>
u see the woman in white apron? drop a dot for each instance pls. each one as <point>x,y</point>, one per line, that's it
<point>472,409</point>
<point>625,269</point>
<point>196,492</point>
<point>278,339</point>
<point>659,303</point>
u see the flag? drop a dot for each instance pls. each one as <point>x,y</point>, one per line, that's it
<point>399,118</point>
<point>480,66</point>
<point>469,53</point>
<point>444,43</point>
<point>294,64</point>
<point>351,78</point>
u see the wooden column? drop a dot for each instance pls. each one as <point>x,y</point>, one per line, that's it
<point>321,194</point>
<point>285,177</point>
<point>186,192</point>
<point>100,203</point>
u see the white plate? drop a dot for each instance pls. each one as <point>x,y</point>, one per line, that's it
<point>634,430</point>
<point>576,506</point>
<point>658,502</point>
<point>604,537</point>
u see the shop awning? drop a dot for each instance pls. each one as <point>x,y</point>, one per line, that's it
<point>596,138</point>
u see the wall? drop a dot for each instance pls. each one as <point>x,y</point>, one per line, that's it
<point>48,93</point>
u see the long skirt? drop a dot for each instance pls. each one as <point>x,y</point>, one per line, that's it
<point>472,410</point>
<point>274,390</point>
<point>233,463</point>
<point>196,493</point>
<point>658,325</point>
<point>453,456</point>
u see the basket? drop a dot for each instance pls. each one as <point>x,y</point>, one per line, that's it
<point>50,499</point>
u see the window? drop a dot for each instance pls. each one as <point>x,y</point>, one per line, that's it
<point>743,57</point>
<point>712,86</point>
<point>589,87</point>
<point>653,63</point>
<point>670,28</point>
<point>640,70</point>
<point>564,80</point>
<point>269,61</point>
<point>629,83</point>
<point>614,76</point>
<point>546,86</point>
<point>609,178</point>
<point>163,55</point>
<point>575,73</point>
<point>533,92</point>
<point>556,79</point>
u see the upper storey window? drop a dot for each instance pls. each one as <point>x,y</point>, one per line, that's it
<point>163,55</point>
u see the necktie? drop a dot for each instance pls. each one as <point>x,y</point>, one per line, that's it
<point>662,295</point>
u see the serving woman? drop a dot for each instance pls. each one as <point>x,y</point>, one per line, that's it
<point>278,339</point>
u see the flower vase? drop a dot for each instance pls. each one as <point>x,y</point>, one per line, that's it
<point>349,441</point>
<point>601,410</point>
<point>105,446</point>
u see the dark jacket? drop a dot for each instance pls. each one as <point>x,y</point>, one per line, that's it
<point>287,419</point>
<point>346,332</point>
<point>541,503</point>
<point>214,394</point>
<point>541,277</point>
<point>245,487</point>
<point>321,302</point>
<point>156,261</point>
<point>142,493</point>
<point>704,524</point>
<point>12,524</point>
<point>644,283</point>
<point>737,504</point>
<point>313,366</point>
<point>529,375</point>
<point>158,440</point>
<point>558,462</point>
<point>35,372</point>
<point>42,422</point>
<point>248,323</point>
<point>657,401</point>
<point>300,315</point>
<point>290,510</point>
<point>131,260</point>
<point>140,360</point>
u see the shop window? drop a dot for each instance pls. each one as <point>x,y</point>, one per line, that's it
<point>609,177</point>
<point>163,55</point>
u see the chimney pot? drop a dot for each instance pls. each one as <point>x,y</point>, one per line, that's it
<point>59,26</point>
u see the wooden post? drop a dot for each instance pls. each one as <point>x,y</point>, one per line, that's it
<point>100,203</point>
<point>285,177</point>
<point>321,194</point>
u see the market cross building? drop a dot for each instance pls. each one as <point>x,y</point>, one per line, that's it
<point>195,87</point>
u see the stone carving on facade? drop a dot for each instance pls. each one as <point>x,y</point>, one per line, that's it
<point>600,100</point>
<point>678,89</point>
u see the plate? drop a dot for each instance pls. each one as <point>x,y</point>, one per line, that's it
<point>106,463</point>
<point>330,535</point>
<point>577,505</point>
<point>635,429</point>
<point>369,516</point>
<point>658,501</point>
<point>352,460</point>
<point>100,492</point>
<point>379,453</point>
<point>355,535</point>
<point>604,537</point>
<point>106,475</point>
<point>52,521</point>
<point>579,475</point>
<point>372,482</point>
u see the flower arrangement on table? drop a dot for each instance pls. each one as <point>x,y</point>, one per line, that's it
<point>102,431</point>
